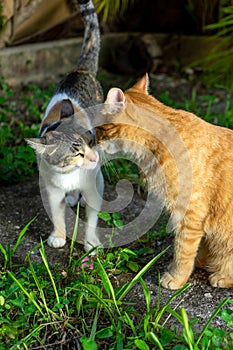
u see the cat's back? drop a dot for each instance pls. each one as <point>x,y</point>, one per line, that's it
<point>81,86</point>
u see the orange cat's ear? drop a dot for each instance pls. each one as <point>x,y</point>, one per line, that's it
<point>116,95</point>
<point>115,101</point>
<point>142,84</point>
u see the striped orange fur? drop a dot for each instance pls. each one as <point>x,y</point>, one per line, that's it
<point>191,172</point>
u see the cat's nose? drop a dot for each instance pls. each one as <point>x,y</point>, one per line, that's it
<point>92,156</point>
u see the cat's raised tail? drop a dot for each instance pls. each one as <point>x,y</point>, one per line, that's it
<point>89,56</point>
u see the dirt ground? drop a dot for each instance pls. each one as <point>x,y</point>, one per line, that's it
<point>19,203</point>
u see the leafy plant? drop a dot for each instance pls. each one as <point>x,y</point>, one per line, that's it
<point>114,221</point>
<point>218,63</point>
<point>19,118</point>
<point>111,8</point>
<point>47,307</point>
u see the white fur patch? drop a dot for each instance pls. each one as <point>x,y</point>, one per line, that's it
<point>56,242</point>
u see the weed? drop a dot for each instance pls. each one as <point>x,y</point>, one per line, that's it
<point>40,305</point>
<point>9,252</point>
<point>115,222</point>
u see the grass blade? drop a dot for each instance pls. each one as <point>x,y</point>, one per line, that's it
<point>94,326</point>
<point>101,300</point>
<point>154,339</point>
<point>211,318</point>
<point>188,333</point>
<point>164,308</point>
<point>45,261</point>
<point>107,284</point>
<point>21,234</point>
<point>32,300</point>
<point>6,257</point>
<point>130,285</point>
<point>74,235</point>
<point>146,293</point>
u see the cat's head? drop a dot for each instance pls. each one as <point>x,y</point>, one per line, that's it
<point>117,111</point>
<point>67,147</point>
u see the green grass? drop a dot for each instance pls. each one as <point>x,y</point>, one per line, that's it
<point>42,305</point>
<point>20,117</point>
<point>45,307</point>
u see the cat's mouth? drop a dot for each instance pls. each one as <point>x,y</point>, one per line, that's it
<point>87,161</point>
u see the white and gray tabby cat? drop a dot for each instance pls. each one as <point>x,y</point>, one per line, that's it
<point>68,163</point>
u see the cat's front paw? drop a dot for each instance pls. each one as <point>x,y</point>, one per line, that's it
<point>88,246</point>
<point>170,282</point>
<point>56,242</point>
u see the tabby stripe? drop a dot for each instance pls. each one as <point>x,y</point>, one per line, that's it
<point>48,127</point>
<point>87,12</point>
<point>83,2</point>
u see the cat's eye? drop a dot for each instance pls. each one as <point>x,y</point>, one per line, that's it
<point>80,155</point>
<point>91,143</point>
<point>77,144</point>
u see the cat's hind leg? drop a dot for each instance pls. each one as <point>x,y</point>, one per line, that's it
<point>202,255</point>
<point>222,264</point>
<point>73,197</point>
<point>93,198</point>
<point>221,280</point>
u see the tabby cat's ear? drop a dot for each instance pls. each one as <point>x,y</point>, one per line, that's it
<point>142,84</point>
<point>38,144</point>
<point>67,109</point>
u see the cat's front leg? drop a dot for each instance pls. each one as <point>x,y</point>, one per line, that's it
<point>91,236</point>
<point>186,244</point>
<point>57,238</point>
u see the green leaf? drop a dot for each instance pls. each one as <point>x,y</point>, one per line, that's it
<point>104,216</point>
<point>110,256</point>
<point>2,300</point>
<point>116,216</point>
<point>104,333</point>
<point>95,290</point>
<point>133,266</point>
<point>88,344</point>
<point>141,344</point>
<point>167,336</point>
<point>18,301</point>
<point>118,223</point>
<point>227,315</point>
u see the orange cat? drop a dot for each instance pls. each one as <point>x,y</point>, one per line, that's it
<point>188,163</point>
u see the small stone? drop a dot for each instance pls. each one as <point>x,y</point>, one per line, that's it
<point>208,295</point>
